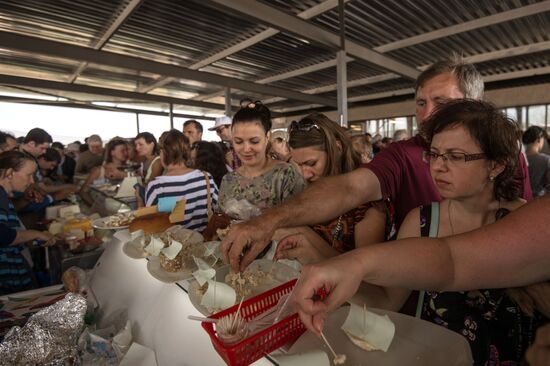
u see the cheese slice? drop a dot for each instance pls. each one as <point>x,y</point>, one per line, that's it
<point>68,211</point>
<point>155,246</point>
<point>55,228</point>
<point>368,330</point>
<point>173,250</point>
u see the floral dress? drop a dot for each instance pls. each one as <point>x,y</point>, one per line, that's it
<point>497,330</point>
<point>264,191</point>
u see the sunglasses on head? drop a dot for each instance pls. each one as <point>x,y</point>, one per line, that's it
<point>304,125</point>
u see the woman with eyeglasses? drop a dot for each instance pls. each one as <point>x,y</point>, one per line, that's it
<point>180,181</point>
<point>472,159</point>
<point>320,147</point>
<point>260,180</point>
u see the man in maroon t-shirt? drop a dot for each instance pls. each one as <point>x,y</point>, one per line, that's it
<point>397,173</point>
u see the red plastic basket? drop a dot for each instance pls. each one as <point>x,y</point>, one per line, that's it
<point>265,341</point>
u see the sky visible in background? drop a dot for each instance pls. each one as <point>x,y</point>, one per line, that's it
<point>69,124</point>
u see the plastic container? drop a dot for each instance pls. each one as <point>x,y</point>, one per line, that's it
<point>265,341</point>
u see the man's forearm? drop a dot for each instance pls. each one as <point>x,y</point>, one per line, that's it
<point>326,199</point>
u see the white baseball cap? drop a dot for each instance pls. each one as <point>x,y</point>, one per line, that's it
<point>221,121</point>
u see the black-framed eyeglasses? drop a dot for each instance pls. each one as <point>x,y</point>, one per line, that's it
<point>304,125</point>
<point>451,157</point>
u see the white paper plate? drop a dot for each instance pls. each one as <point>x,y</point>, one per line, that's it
<point>416,342</point>
<point>133,250</point>
<point>281,274</point>
<point>154,268</point>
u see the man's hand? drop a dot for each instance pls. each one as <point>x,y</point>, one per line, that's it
<point>339,277</point>
<point>539,353</point>
<point>245,241</point>
<point>298,247</point>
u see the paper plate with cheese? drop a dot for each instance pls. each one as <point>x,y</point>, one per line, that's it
<point>381,337</point>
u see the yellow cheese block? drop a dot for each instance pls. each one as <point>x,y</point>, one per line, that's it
<point>79,224</point>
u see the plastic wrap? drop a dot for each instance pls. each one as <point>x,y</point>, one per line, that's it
<point>49,337</point>
<point>241,209</point>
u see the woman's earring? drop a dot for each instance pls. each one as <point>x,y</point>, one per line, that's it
<point>491,178</point>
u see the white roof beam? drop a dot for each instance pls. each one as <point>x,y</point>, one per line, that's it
<point>14,41</point>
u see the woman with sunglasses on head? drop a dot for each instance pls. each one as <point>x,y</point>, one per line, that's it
<point>472,159</point>
<point>321,148</point>
<point>260,180</point>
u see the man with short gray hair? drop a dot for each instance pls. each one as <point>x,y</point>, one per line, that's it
<point>92,157</point>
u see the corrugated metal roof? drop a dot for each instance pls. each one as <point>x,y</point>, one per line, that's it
<point>215,39</point>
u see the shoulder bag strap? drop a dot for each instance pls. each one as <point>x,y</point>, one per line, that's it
<point>208,195</point>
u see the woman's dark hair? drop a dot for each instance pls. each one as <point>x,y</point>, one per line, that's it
<point>175,146</point>
<point>150,139</point>
<point>210,158</point>
<point>497,135</point>
<point>12,159</point>
<point>318,131</point>
<point>533,134</point>
<point>111,145</point>
<point>253,112</point>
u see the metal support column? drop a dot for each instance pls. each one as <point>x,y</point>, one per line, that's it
<point>171,115</point>
<point>227,102</point>
<point>137,122</point>
<point>341,72</point>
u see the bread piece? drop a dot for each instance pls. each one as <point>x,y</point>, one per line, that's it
<point>171,265</point>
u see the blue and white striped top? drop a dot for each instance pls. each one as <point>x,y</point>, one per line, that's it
<point>192,187</point>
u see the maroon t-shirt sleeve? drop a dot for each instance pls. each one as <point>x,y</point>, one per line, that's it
<point>388,169</point>
<point>522,173</point>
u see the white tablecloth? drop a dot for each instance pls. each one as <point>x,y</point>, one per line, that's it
<point>158,311</point>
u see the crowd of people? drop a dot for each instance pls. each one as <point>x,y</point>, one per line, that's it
<point>369,215</point>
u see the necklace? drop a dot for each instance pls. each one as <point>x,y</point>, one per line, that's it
<point>336,230</point>
<point>449,214</point>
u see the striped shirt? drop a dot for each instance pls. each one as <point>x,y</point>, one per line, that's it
<point>15,274</point>
<point>192,187</point>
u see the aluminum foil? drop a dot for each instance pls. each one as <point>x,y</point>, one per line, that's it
<point>49,337</point>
